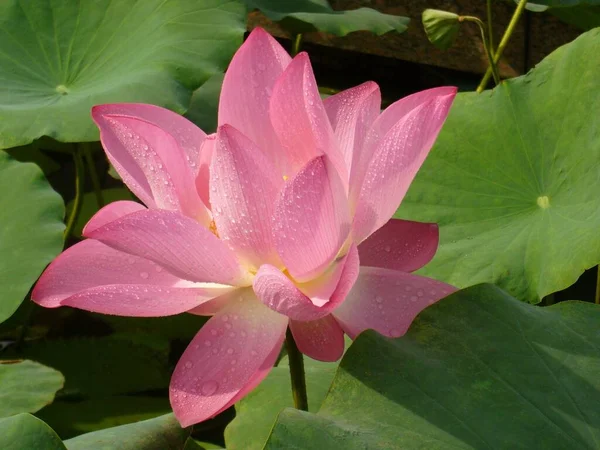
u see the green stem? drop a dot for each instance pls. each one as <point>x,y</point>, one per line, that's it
<point>297,44</point>
<point>79,180</point>
<point>296,373</point>
<point>503,43</point>
<point>598,287</point>
<point>87,153</point>
<point>486,44</point>
<point>490,26</point>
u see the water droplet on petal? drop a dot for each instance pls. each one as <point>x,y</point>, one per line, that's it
<point>188,365</point>
<point>229,351</point>
<point>144,275</point>
<point>209,387</point>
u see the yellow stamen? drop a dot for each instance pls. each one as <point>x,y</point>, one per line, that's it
<point>285,178</point>
<point>213,228</point>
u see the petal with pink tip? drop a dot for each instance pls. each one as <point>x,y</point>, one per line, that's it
<point>204,161</point>
<point>176,242</point>
<point>244,186</point>
<point>188,136</point>
<point>280,293</point>
<point>321,339</point>
<point>299,118</point>
<point>151,163</point>
<point>351,113</point>
<point>311,219</point>
<point>111,212</point>
<point>246,92</point>
<point>387,301</point>
<point>95,277</point>
<point>400,245</point>
<point>229,353</point>
<point>396,158</point>
<point>216,304</point>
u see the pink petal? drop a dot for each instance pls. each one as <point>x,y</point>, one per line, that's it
<point>244,186</point>
<point>351,113</point>
<point>280,293</point>
<point>400,245</point>
<point>311,220</point>
<point>299,118</point>
<point>387,301</point>
<point>215,305</point>
<point>204,161</point>
<point>188,136</point>
<point>228,354</point>
<point>94,277</point>
<point>397,155</point>
<point>111,212</point>
<point>151,162</point>
<point>176,242</point>
<point>246,92</point>
<point>321,339</point>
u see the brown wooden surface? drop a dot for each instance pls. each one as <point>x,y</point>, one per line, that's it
<point>535,37</point>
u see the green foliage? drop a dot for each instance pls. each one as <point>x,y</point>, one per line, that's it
<point>30,229</point>
<point>25,431</point>
<point>512,180</point>
<point>205,104</point>
<point>160,433</point>
<point>478,367</point>
<point>26,386</point>
<point>441,27</point>
<point>300,16</point>
<point>61,57</point>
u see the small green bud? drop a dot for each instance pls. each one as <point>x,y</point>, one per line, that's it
<point>441,27</point>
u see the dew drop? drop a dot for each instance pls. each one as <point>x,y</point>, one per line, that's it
<point>420,293</point>
<point>229,351</point>
<point>207,343</point>
<point>188,365</point>
<point>413,298</point>
<point>144,275</point>
<point>388,248</point>
<point>209,387</point>
<point>379,299</point>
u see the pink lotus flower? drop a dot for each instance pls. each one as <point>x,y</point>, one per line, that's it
<point>261,225</point>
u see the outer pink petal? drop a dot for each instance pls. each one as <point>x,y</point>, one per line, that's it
<point>311,220</point>
<point>321,339</point>
<point>97,278</point>
<point>299,118</point>
<point>151,162</point>
<point>215,305</point>
<point>387,301</point>
<point>246,92</point>
<point>204,161</point>
<point>280,293</point>
<point>111,212</point>
<point>244,186</point>
<point>351,113</point>
<point>400,245</point>
<point>176,242</point>
<point>188,136</point>
<point>397,156</point>
<point>224,358</point>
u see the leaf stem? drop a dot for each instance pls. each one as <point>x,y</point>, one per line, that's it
<point>87,153</point>
<point>297,44</point>
<point>598,287</point>
<point>503,43</point>
<point>486,44</point>
<point>297,376</point>
<point>79,183</point>
<point>490,26</point>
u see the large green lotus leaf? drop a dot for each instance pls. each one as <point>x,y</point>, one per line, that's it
<point>71,418</point>
<point>31,229</point>
<point>160,433</point>
<point>583,17</point>
<point>58,58</point>
<point>513,179</point>
<point>256,413</point>
<point>477,370</point>
<point>26,432</point>
<point>300,16</point>
<point>26,386</point>
<point>97,367</point>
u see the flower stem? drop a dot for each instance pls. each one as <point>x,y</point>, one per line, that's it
<point>296,373</point>
<point>87,153</point>
<point>486,44</point>
<point>297,44</point>
<point>503,43</point>
<point>79,182</point>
